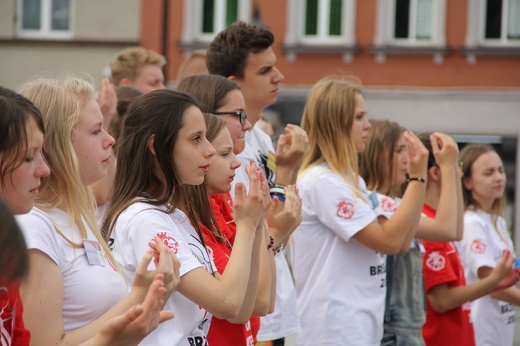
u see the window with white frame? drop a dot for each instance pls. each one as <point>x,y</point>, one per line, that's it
<point>45,19</point>
<point>322,20</point>
<point>493,27</point>
<point>501,21</point>
<point>320,26</point>
<point>209,17</point>
<point>215,16</point>
<point>413,20</point>
<point>411,23</point>
<point>411,27</point>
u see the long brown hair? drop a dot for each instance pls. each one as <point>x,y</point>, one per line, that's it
<point>158,115</point>
<point>200,193</point>
<point>468,155</point>
<point>376,162</point>
<point>211,91</point>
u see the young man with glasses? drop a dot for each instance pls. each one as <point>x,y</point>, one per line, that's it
<point>243,53</point>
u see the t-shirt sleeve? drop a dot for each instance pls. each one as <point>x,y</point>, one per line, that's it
<point>437,268</point>
<point>476,246</point>
<point>40,234</point>
<point>147,224</point>
<point>386,206</point>
<point>336,206</point>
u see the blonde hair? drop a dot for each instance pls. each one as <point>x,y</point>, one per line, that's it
<point>60,102</point>
<point>327,118</point>
<point>130,61</point>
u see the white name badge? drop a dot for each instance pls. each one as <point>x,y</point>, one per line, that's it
<point>93,252</point>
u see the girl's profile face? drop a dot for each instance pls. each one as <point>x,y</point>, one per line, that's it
<point>360,125</point>
<point>92,144</point>
<point>234,102</point>
<point>400,164</point>
<point>192,152</point>
<point>488,179</point>
<point>22,184</point>
<point>223,164</point>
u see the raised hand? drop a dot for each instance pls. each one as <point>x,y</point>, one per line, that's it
<point>132,326</point>
<point>445,149</point>
<point>159,247</point>
<point>417,156</point>
<point>251,207</point>
<point>504,271</point>
<point>107,100</point>
<point>165,262</point>
<point>292,147</point>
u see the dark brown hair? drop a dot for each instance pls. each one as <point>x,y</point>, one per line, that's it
<point>14,257</point>
<point>210,91</point>
<point>15,112</point>
<point>158,115</point>
<point>227,53</point>
<point>200,193</point>
<point>125,96</point>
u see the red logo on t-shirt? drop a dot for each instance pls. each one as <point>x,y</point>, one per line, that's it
<point>388,204</point>
<point>478,246</point>
<point>436,261</point>
<point>345,210</point>
<point>169,241</point>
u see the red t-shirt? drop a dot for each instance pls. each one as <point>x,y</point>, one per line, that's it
<point>12,328</point>
<point>442,265</point>
<point>222,332</point>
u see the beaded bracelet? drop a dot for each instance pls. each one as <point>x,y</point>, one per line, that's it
<point>422,180</point>
<point>276,250</point>
<point>271,242</point>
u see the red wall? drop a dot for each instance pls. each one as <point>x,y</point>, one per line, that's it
<point>398,70</point>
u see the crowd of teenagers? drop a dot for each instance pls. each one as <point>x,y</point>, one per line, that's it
<point>145,215</point>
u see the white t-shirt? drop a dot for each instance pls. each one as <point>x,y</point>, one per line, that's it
<point>89,290</point>
<point>284,320</point>
<point>134,228</point>
<point>340,283</point>
<point>258,146</point>
<point>481,246</point>
<point>386,207</point>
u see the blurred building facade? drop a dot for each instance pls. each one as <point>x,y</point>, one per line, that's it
<point>40,37</point>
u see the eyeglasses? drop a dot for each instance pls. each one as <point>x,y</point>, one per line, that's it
<point>241,115</point>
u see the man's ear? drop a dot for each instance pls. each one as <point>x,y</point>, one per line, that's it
<point>150,145</point>
<point>236,80</point>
